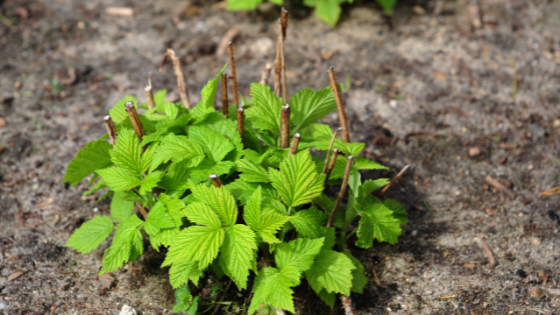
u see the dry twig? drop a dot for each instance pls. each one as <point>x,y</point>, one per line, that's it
<point>329,150</point>
<point>491,259</point>
<point>225,95</point>
<point>135,119</point>
<point>233,74</point>
<point>339,105</point>
<point>183,89</point>
<point>347,304</point>
<point>375,278</point>
<point>294,144</point>
<point>393,180</point>
<point>111,131</point>
<point>215,180</point>
<point>241,123</point>
<point>342,190</point>
<point>265,74</point>
<point>494,183</point>
<point>330,168</point>
<point>285,127</point>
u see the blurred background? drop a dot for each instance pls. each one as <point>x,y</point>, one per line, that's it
<point>461,89</point>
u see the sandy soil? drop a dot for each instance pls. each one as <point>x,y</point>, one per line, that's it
<point>431,89</point>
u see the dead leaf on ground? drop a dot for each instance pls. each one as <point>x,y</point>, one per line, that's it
<point>440,76</point>
<point>106,280</point>
<point>551,191</point>
<point>16,275</point>
<point>469,265</point>
<point>120,11</point>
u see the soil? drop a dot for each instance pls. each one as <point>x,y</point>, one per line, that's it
<point>431,86</point>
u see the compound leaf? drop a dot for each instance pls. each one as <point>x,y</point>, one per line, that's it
<point>331,271</point>
<point>92,233</point>
<point>127,245</point>
<point>181,273</point>
<point>177,149</point>
<point>220,200</point>
<point>119,179</point>
<point>308,106</point>
<point>238,253</point>
<point>265,109</point>
<point>196,243</point>
<point>121,209</point>
<point>95,155</point>
<point>298,182</point>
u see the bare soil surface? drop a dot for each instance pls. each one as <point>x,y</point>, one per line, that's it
<point>431,87</point>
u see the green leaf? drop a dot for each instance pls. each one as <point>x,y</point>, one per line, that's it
<point>298,254</point>
<point>238,254</point>
<point>272,287</point>
<point>196,243</point>
<point>371,185</point>
<point>202,214</point>
<point>164,237</point>
<point>150,181</point>
<point>266,223</point>
<point>308,106</point>
<point>359,280</point>
<point>127,245</point>
<point>174,206</point>
<point>242,190</point>
<point>201,172</point>
<point>118,112</point>
<point>220,200</point>
<point>228,128</point>
<point>398,210</point>
<point>181,273</point>
<point>309,223</point>
<point>377,222</point>
<point>127,152</point>
<point>214,144</point>
<point>177,149</point>
<point>328,11</point>
<point>322,134</point>
<point>94,156</point>
<point>266,108</point>
<point>324,202</point>
<point>206,104</point>
<point>365,164</point>
<point>387,5</point>
<point>121,209</point>
<point>92,233</point>
<point>252,172</point>
<point>119,179</point>
<point>158,219</point>
<point>159,97</point>
<point>298,182</point>
<point>327,297</point>
<point>177,177</point>
<point>242,5</point>
<point>98,186</point>
<point>331,271</point>
<point>184,301</point>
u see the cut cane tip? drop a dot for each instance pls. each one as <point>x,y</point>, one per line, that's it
<point>330,68</point>
<point>339,129</point>
<point>336,150</point>
<point>148,88</point>
<point>350,157</point>
<point>212,176</point>
<point>107,118</point>
<point>240,110</point>
<point>230,43</point>
<point>287,106</point>
<point>129,104</point>
<point>297,135</point>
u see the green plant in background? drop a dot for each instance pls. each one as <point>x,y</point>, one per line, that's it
<point>327,10</point>
<point>227,195</point>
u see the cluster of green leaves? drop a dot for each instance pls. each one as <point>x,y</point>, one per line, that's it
<point>327,10</point>
<point>269,207</point>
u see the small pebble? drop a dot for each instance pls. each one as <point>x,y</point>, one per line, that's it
<point>127,310</point>
<point>536,241</point>
<point>414,233</point>
<point>474,151</point>
<point>393,103</point>
<point>3,305</point>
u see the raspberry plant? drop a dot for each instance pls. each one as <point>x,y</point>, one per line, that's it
<point>225,192</point>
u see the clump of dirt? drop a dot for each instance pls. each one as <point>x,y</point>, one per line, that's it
<point>442,78</point>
